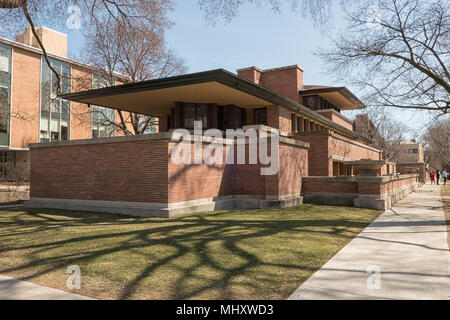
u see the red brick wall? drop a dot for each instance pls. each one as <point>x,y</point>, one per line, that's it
<point>330,187</point>
<point>252,74</point>
<point>285,81</point>
<point>349,150</point>
<point>336,118</point>
<point>415,168</point>
<point>318,154</point>
<point>197,181</point>
<point>279,118</point>
<point>25,98</point>
<point>132,171</point>
<point>396,184</point>
<point>370,188</point>
<point>141,171</point>
<point>293,166</point>
<point>324,147</point>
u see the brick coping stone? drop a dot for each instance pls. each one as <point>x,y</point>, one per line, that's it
<point>161,136</point>
<point>360,178</point>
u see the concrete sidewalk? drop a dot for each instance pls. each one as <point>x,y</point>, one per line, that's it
<point>407,244</point>
<point>13,289</point>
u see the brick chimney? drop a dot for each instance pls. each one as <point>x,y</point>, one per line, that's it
<point>252,73</point>
<point>286,81</point>
<point>54,42</point>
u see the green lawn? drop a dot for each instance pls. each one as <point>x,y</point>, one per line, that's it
<point>260,254</point>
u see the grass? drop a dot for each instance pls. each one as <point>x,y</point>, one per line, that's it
<point>260,254</point>
<point>445,193</point>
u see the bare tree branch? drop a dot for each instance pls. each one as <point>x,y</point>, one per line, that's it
<point>402,59</point>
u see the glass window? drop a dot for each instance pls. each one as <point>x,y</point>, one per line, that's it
<point>260,116</point>
<point>189,116</point>
<point>5,93</point>
<point>55,112</point>
<point>202,115</point>
<point>103,119</point>
<point>195,112</point>
<point>310,102</point>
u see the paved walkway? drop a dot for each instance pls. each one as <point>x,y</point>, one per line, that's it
<point>408,244</point>
<point>13,289</point>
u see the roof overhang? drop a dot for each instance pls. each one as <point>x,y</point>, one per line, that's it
<point>157,97</point>
<point>341,97</point>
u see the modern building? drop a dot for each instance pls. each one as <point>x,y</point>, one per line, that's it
<point>30,110</point>
<point>411,159</point>
<point>411,152</point>
<point>320,158</point>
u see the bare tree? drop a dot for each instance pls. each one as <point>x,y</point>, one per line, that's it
<point>16,14</point>
<point>398,51</point>
<point>318,10</point>
<point>384,133</point>
<point>436,141</point>
<point>137,55</point>
<point>136,28</point>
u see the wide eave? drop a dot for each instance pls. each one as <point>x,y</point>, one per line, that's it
<point>339,96</point>
<point>157,97</point>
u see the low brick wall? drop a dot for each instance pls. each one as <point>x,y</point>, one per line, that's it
<point>413,168</point>
<point>377,192</point>
<point>327,146</point>
<point>12,193</point>
<point>135,175</point>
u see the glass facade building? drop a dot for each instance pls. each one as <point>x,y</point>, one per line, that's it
<point>5,93</point>
<point>55,112</point>
<point>103,119</point>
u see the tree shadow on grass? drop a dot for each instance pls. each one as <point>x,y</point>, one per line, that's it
<point>184,235</point>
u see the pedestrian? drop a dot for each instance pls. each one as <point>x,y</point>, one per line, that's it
<point>444,175</point>
<point>438,176</point>
<point>432,177</point>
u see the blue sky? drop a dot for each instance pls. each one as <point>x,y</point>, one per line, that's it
<point>256,37</point>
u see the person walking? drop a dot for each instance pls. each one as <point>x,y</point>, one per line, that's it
<point>444,175</point>
<point>438,176</point>
<point>432,177</point>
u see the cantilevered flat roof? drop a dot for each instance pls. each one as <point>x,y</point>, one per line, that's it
<point>341,97</point>
<point>157,97</point>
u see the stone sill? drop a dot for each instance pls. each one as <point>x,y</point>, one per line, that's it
<point>374,179</point>
<point>163,136</point>
<point>339,115</point>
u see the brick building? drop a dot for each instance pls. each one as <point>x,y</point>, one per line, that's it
<point>411,159</point>
<point>319,154</point>
<point>30,110</point>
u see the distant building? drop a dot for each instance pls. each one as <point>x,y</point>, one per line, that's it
<point>411,152</point>
<point>411,159</point>
<point>30,110</point>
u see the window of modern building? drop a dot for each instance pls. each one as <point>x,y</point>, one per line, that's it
<point>310,102</point>
<point>5,93</point>
<point>55,112</point>
<point>260,116</point>
<point>103,119</point>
